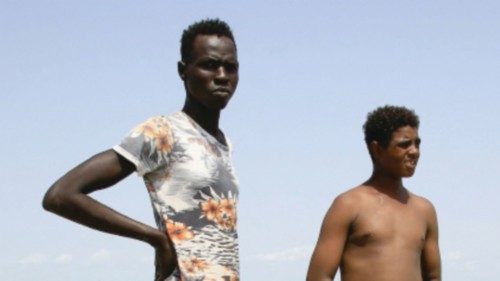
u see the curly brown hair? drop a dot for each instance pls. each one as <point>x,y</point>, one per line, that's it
<point>383,121</point>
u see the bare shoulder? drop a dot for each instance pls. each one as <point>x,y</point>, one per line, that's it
<point>423,204</point>
<point>347,203</point>
<point>350,196</point>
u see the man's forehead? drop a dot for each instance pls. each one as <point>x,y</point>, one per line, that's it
<point>405,132</point>
<point>204,44</point>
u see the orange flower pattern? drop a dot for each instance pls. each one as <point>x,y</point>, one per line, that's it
<point>210,209</point>
<point>157,131</point>
<point>177,231</point>
<point>190,179</point>
<point>222,212</point>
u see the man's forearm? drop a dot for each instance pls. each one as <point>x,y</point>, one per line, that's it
<point>84,210</point>
<point>68,197</point>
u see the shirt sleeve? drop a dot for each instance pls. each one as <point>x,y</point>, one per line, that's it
<point>148,145</point>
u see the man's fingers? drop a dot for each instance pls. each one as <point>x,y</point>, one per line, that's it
<point>165,265</point>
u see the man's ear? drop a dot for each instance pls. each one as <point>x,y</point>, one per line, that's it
<point>374,148</point>
<point>181,69</point>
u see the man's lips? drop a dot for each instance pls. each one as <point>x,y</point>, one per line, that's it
<point>221,91</point>
<point>412,163</point>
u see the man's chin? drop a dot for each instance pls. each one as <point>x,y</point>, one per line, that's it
<point>219,104</point>
<point>408,174</point>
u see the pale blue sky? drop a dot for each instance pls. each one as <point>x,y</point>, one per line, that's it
<point>76,76</point>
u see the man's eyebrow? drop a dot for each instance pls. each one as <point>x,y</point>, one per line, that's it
<point>408,140</point>
<point>218,58</point>
<point>210,57</point>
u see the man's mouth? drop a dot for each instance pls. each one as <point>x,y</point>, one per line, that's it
<point>412,163</point>
<point>221,92</point>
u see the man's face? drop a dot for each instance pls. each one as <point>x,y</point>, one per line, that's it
<point>211,76</point>
<point>400,157</point>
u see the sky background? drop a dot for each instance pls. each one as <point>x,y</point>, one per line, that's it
<point>76,76</point>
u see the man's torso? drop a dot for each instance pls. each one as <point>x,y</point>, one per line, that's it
<point>386,238</point>
<point>193,190</point>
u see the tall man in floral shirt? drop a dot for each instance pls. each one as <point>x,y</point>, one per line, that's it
<point>184,159</point>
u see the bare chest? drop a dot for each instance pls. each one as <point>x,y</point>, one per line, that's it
<point>390,224</point>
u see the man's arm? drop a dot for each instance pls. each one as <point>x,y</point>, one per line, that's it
<point>68,198</point>
<point>431,260</point>
<point>330,246</point>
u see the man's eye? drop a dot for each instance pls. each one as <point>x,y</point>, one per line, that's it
<point>231,67</point>
<point>404,144</point>
<point>210,64</point>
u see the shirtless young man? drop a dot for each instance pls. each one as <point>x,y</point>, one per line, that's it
<point>380,231</point>
<point>185,161</point>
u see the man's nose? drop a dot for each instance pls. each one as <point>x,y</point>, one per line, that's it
<point>221,74</point>
<point>414,150</point>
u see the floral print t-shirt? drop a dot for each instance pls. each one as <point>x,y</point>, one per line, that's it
<point>193,190</point>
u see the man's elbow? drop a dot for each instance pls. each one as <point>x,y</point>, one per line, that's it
<point>54,200</point>
<point>433,277</point>
<point>317,274</point>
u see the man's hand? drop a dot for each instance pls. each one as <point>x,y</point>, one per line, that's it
<point>165,258</point>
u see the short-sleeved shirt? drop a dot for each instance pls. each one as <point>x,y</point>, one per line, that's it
<point>193,190</point>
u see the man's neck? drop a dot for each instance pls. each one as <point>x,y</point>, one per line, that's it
<point>389,185</point>
<point>206,118</point>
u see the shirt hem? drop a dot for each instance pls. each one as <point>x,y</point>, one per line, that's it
<point>127,155</point>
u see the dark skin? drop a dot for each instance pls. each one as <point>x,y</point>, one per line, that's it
<point>379,231</point>
<point>68,197</point>
<point>210,79</point>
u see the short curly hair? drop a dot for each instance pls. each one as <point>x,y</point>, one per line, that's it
<point>383,121</point>
<point>204,27</point>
